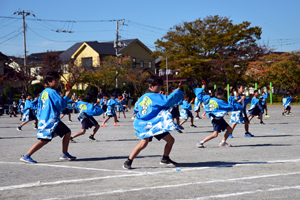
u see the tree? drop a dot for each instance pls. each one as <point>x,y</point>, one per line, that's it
<point>70,73</point>
<point>19,74</point>
<point>208,49</point>
<point>282,70</point>
<point>105,75</point>
<point>138,80</point>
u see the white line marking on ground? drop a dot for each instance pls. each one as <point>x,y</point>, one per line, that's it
<point>183,185</point>
<point>247,192</point>
<point>37,184</point>
<point>72,167</point>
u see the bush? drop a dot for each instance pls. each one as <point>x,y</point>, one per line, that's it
<point>92,90</point>
<point>35,89</point>
<point>9,89</point>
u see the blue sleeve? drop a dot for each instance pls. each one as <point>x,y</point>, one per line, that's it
<point>172,99</point>
<point>184,105</point>
<point>94,110</point>
<point>58,102</point>
<point>201,96</point>
<point>247,100</point>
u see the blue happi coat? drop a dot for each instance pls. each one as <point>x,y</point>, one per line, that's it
<point>28,112</point>
<point>286,101</point>
<point>111,107</point>
<point>237,116</point>
<point>185,110</point>
<point>196,104</point>
<point>255,103</point>
<point>120,106</point>
<point>21,107</point>
<point>153,115</point>
<point>216,108</point>
<point>50,104</point>
<point>264,98</point>
<point>86,108</point>
<point>231,99</point>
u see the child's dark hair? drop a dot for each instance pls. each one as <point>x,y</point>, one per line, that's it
<point>239,85</point>
<point>173,87</point>
<point>155,80</point>
<point>255,91</point>
<point>218,91</point>
<point>50,76</point>
<point>186,96</point>
<point>87,98</point>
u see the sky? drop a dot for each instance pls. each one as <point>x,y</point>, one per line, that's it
<point>94,20</point>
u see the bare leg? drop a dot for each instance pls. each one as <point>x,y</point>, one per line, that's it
<point>65,142</point>
<point>142,145</point>
<point>192,120</point>
<point>95,130</point>
<point>168,147</point>
<point>25,122</point>
<point>183,121</point>
<point>106,119</point>
<point>177,119</point>
<point>79,133</point>
<point>228,132</point>
<point>115,118</point>
<point>62,116</point>
<point>212,136</point>
<point>36,146</point>
<point>246,126</point>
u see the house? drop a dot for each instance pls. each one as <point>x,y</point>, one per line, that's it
<point>90,54</point>
<point>9,74</point>
<point>35,60</point>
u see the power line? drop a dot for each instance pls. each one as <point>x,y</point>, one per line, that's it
<point>48,38</point>
<point>147,25</point>
<point>11,33</point>
<point>11,38</point>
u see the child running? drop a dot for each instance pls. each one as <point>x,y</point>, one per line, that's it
<point>22,106</point>
<point>263,99</point>
<point>256,108</point>
<point>175,109</point>
<point>103,104</point>
<point>154,119</point>
<point>286,101</point>
<point>66,111</point>
<point>50,104</point>
<point>240,117</point>
<point>120,106</point>
<point>216,109</point>
<point>111,111</point>
<point>87,111</point>
<point>185,112</point>
<point>29,114</point>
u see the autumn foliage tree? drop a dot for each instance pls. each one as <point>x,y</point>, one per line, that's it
<point>105,75</point>
<point>71,73</point>
<point>282,70</point>
<point>208,49</point>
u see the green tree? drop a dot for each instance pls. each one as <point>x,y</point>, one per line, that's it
<point>105,75</point>
<point>207,49</point>
<point>282,70</point>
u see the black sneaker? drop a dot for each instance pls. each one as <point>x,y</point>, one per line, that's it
<point>262,123</point>
<point>71,140</point>
<point>193,126</point>
<point>92,138</point>
<point>19,128</point>
<point>179,131</point>
<point>127,164</point>
<point>168,161</point>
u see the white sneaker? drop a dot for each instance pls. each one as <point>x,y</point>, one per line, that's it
<point>224,144</point>
<point>200,145</point>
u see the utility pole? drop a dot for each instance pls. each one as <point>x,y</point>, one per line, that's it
<point>116,45</point>
<point>24,14</point>
<point>167,71</point>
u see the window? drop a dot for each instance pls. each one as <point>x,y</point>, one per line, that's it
<point>77,86</point>
<point>142,63</point>
<point>150,64</point>
<point>65,68</point>
<point>87,62</point>
<point>82,86</point>
<point>133,62</point>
